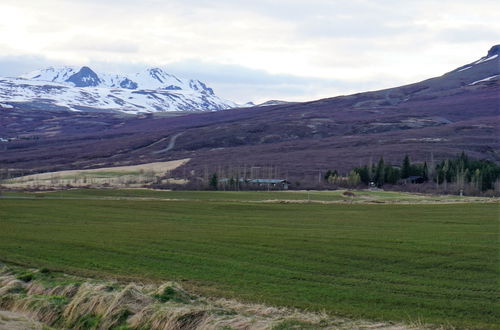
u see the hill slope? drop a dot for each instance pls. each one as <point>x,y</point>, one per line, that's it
<point>446,115</point>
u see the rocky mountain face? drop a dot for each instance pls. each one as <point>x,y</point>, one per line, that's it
<point>82,89</point>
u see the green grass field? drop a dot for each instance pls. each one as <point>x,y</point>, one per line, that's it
<point>429,263</point>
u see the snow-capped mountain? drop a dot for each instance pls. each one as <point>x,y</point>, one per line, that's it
<point>80,88</point>
<point>265,104</point>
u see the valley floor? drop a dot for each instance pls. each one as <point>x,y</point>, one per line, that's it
<point>380,256</point>
<point>366,196</point>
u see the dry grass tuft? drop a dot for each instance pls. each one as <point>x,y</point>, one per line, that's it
<point>99,305</point>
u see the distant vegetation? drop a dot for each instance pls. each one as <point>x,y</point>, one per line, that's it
<point>459,175</point>
<point>464,174</point>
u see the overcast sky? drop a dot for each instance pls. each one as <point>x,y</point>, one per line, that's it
<point>253,50</point>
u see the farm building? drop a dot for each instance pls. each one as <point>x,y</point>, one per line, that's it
<point>260,183</point>
<point>413,179</point>
<point>275,183</point>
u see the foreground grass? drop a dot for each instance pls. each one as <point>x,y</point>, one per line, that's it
<point>432,263</point>
<point>63,301</point>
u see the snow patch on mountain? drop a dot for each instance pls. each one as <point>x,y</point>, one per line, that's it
<point>466,68</point>
<point>486,59</point>
<point>6,106</point>
<point>483,80</point>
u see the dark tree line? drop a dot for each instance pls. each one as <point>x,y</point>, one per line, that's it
<point>480,175</point>
<point>382,173</point>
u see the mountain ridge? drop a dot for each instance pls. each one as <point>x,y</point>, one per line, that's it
<point>81,88</point>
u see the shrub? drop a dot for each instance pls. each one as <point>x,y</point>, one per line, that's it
<point>167,294</point>
<point>26,277</point>
<point>45,270</point>
<point>171,294</point>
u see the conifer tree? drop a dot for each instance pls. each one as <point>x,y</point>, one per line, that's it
<point>214,182</point>
<point>425,172</point>
<point>406,168</point>
<point>380,172</point>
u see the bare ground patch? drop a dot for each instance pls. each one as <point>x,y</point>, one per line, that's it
<point>120,176</point>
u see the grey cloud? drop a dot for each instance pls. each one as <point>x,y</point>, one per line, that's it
<point>340,27</point>
<point>468,34</point>
<point>12,66</point>
<point>99,45</point>
<point>244,84</point>
<point>235,74</point>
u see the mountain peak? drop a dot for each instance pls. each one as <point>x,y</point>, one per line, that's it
<point>85,78</point>
<point>155,72</point>
<point>159,75</point>
<point>199,86</point>
<point>495,50</point>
